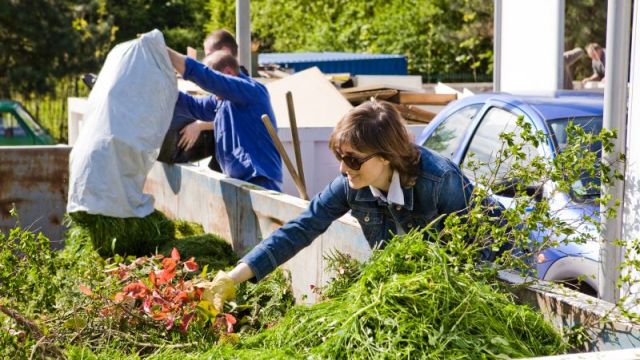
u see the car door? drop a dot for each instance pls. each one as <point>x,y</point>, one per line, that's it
<point>485,144</point>
<point>447,136</point>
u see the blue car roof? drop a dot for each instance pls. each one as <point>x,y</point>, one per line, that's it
<point>561,104</point>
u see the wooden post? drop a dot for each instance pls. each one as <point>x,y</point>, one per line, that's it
<point>274,136</point>
<point>295,138</point>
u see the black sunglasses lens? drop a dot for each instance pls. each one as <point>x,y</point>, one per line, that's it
<point>352,162</point>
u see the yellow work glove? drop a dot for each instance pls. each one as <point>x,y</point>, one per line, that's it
<point>221,289</point>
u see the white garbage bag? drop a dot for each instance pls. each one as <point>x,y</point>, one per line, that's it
<point>128,114</point>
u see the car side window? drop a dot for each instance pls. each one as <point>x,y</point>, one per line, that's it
<point>10,127</point>
<point>486,143</point>
<point>446,139</point>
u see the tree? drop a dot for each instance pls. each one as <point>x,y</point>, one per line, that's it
<point>430,33</point>
<point>45,40</point>
<point>181,21</point>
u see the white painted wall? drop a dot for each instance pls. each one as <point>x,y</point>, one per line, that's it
<point>531,42</point>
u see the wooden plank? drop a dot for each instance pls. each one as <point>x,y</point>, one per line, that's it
<point>356,89</point>
<point>411,83</point>
<point>358,97</point>
<point>318,102</point>
<point>412,113</point>
<point>423,99</point>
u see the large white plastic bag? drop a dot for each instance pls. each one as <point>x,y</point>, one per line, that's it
<point>129,112</point>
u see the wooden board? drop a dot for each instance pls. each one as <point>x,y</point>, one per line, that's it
<point>316,101</point>
<point>423,99</point>
<point>413,113</point>
<point>358,97</point>
<point>399,82</point>
<point>357,89</point>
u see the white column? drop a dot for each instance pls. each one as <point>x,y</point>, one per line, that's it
<point>243,32</point>
<point>631,212</point>
<point>531,42</point>
<point>615,116</point>
<point>497,44</point>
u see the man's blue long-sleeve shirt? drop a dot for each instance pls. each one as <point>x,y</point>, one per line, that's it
<point>244,148</point>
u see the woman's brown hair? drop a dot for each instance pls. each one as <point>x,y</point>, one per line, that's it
<point>377,127</point>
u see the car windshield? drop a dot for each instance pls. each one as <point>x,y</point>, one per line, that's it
<point>37,130</point>
<point>587,187</point>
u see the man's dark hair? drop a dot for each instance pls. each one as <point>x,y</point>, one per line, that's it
<point>219,60</point>
<point>220,40</point>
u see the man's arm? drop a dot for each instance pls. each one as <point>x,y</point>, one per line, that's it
<point>190,107</point>
<point>177,60</point>
<point>203,108</point>
<point>593,77</point>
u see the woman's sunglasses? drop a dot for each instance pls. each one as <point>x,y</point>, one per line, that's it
<point>353,162</point>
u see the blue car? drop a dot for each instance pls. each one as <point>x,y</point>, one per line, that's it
<point>473,125</point>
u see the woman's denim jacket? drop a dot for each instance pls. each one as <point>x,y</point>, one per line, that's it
<point>440,188</point>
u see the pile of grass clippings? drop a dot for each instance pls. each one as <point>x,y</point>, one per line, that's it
<point>411,302</point>
<point>187,228</point>
<point>261,305</point>
<point>125,236</point>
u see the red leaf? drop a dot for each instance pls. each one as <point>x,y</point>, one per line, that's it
<point>190,265</point>
<point>152,278</point>
<point>230,321</point>
<point>146,305</point>
<point>169,321</point>
<point>198,293</point>
<point>175,255</point>
<point>85,290</point>
<point>136,290</point>
<point>230,318</point>
<point>186,320</point>
<point>159,315</point>
<point>167,274</point>
<point>182,297</point>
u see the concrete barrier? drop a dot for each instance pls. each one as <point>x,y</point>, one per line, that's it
<point>34,180</point>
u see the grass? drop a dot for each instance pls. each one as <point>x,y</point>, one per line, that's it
<point>124,236</point>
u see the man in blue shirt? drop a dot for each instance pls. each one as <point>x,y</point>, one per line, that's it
<point>185,141</point>
<point>243,146</point>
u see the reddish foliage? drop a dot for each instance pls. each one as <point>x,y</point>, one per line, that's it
<point>166,297</point>
<point>136,290</point>
<point>190,265</point>
<point>175,255</point>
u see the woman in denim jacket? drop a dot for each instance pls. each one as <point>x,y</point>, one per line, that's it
<point>389,184</point>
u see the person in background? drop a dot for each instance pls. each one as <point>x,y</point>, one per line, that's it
<point>222,40</point>
<point>570,58</point>
<point>244,148</point>
<point>389,184</point>
<point>597,55</point>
